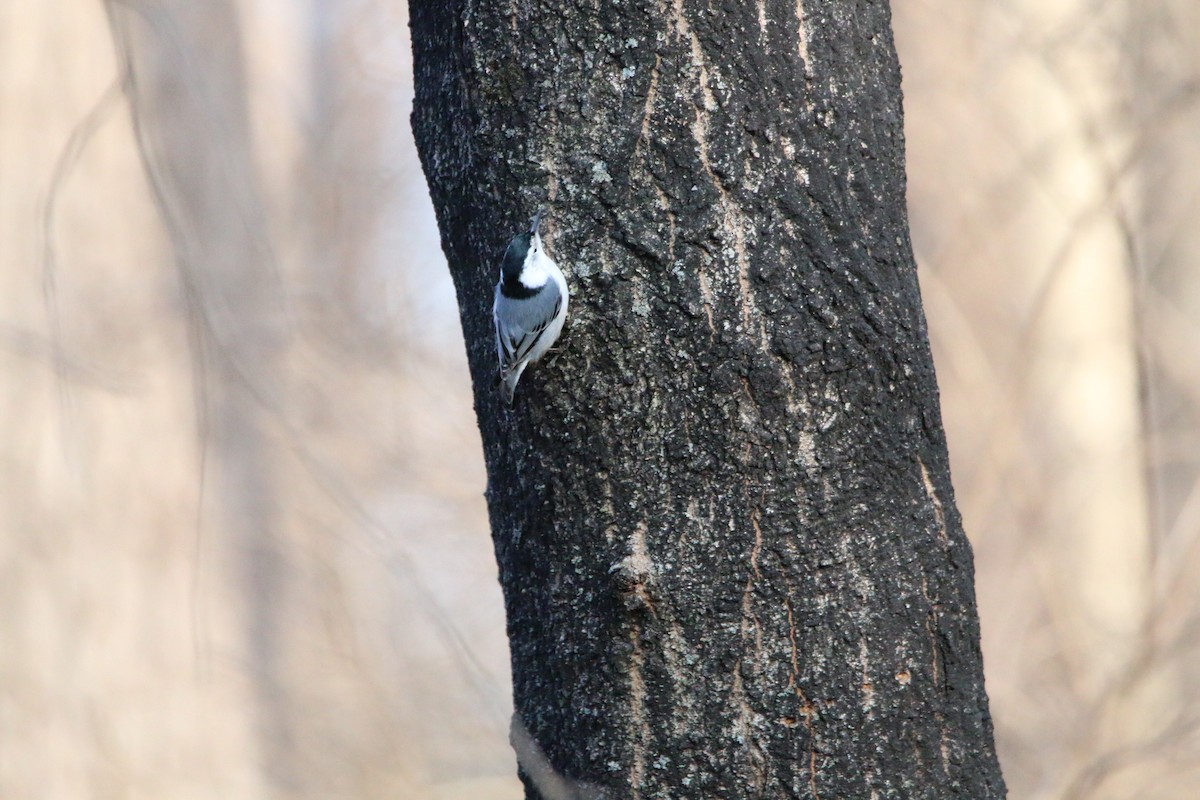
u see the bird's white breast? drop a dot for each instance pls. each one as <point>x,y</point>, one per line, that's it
<point>539,268</point>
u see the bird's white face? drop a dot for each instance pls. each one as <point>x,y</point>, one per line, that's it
<point>538,266</point>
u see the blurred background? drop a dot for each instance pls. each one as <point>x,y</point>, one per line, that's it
<point>243,545</point>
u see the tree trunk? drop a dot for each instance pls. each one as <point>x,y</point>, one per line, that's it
<point>727,538</point>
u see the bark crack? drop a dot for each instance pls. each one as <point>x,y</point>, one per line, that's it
<point>639,720</point>
<point>939,673</point>
<point>647,111</point>
<point>706,298</point>
<point>664,204</point>
<point>674,650</point>
<point>635,573</point>
<point>750,620</point>
<point>802,44</point>
<point>513,11</point>
<point>794,679</point>
<point>756,550</point>
<point>807,710</point>
<point>934,647</point>
<point>734,222</point>
<point>678,21</point>
<point>868,686</point>
<point>549,163</point>
<point>938,511</point>
<point>637,569</point>
<point>744,728</point>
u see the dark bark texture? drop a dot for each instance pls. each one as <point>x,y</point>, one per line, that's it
<point>730,554</point>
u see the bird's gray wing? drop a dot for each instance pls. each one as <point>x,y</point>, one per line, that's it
<point>521,322</point>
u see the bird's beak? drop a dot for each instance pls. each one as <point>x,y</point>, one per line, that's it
<point>536,221</point>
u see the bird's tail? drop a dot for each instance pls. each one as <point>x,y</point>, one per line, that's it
<point>508,383</point>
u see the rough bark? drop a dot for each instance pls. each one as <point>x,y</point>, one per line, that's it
<point>730,554</point>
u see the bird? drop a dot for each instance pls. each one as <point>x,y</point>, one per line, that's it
<point>530,305</point>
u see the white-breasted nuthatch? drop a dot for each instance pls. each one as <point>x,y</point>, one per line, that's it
<point>530,306</point>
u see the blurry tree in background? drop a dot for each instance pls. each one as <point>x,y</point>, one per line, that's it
<point>1061,281</point>
<point>243,481</point>
<point>1052,171</point>
<point>193,135</point>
